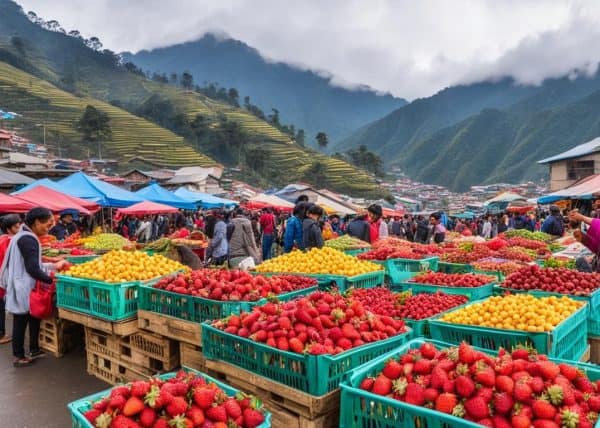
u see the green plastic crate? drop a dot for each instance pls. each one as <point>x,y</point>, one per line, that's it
<point>79,407</point>
<point>356,251</point>
<point>399,270</point>
<point>366,280</point>
<point>420,328</point>
<point>473,293</point>
<point>360,408</point>
<point>447,267</point>
<point>199,309</point>
<point>568,340</point>
<point>77,260</point>
<point>314,374</point>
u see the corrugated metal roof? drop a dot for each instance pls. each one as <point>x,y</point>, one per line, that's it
<point>575,152</point>
<point>13,178</point>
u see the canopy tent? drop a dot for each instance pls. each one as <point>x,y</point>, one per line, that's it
<point>155,193</point>
<point>104,194</point>
<point>257,205</point>
<point>41,182</point>
<point>467,215</point>
<point>504,197</point>
<point>147,207</point>
<point>10,204</point>
<point>387,212</point>
<point>204,200</point>
<point>273,201</point>
<point>587,188</point>
<point>42,196</point>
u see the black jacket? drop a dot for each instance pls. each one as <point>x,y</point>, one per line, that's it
<point>311,234</point>
<point>359,228</point>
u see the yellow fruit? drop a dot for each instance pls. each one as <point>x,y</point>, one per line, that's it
<point>516,312</point>
<point>319,261</point>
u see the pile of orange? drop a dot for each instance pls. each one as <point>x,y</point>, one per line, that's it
<point>516,312</point>
<point>123,266</point>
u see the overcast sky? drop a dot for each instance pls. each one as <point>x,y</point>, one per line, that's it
<point>409,48</point>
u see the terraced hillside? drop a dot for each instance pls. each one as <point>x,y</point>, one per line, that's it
<point>41,102</point>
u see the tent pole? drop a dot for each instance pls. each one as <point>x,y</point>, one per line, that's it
<point>112,227</point>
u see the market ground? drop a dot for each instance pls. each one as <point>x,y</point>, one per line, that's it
<point>37,396</point>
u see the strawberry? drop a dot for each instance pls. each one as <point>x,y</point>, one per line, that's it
<point>505,384</point>
<point>216,413</point>
<point>252,418</point>
<point>121,421</point>
<point>537,385</point>
<point>392,369</point>
<point>133,406</point>
<point>382,385</point>
<point>399,387</point>
<point>147,417</point>
<point>91,415</point>
<point>583,384</point>
<point>428,350</point>
<point>140,388</point>
<point>466,354</point>
<point>204,397</point>
<point>568,371</point>
<point>594,403</point>
<point>569,419</point>
<point>520,353</point>
<point>548,369</point>
<point>545,423</point>
<point>438,377</point>
<point>180,422</point>
<point>161,423</point>
<point>522,392</point>
<point>485,375</point>
<point>486,393</point>
<point>120,390</point>
<point>446,402</point>
<point>367,383</point>
<point>423,366</point>
<point>101,405</point>
<point>487,422</point>
<point>464,386</point>
<point>296,345</point>
<point>117,402</point>
<point>415,394</point>
<point>543,410</point>
<point>177,406</point>
<point>232,407</point>
<point>520,421</point>
<point>431,394</point>
<point>501,422</point>
<point>477,407</point>
<point>503,403</point>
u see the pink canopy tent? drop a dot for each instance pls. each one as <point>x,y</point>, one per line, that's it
<point>10,204</point>
<point>42,196</point>
<point>146,207</point>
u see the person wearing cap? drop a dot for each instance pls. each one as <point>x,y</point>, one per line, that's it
<point>9,224</point>
<point>64,226</point>
<point>553,225</point>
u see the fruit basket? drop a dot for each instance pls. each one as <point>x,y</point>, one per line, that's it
<point>473,293</point>
<point>314,374</point>
<point>360,408</point>
<point>79,407</point>
<point>568,340</point>
<point>198,309</point>
<point>399,270</point>
<point>447,267</point>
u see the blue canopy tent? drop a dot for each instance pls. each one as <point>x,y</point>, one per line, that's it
<point>46,182</point>
<point>156,193</point>
<point>204,200</point>
<point>104,194</point>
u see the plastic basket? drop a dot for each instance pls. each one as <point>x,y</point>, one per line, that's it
<point>568,340</point>
<point>447,267</point>
<point>420,328</point>
<point>399,270</point>
<point>314,374</point>
<point>366,280</point>
<point>355,252</point>
<point>79,407</point>
<point>76,260</point>
<point>473,293</point>
<point>360,408</point>
<point>199,309</point>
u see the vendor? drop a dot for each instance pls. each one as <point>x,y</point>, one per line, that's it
<point>181,231</point>
<point>591,238</point>
<point>553,225</point>
<point>64,226</point>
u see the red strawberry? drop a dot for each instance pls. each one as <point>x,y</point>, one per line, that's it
<point>522,392</point>
<point>477,407</point>
<point>569,419</point>
<point>503,403</point>
<point>438,377</point>
<point>568,371</point>
<point>91,416</point>
<point>382,385</point>
<point>216,413</point>
<point>392,369</point>
<point>161,423</point>
<point>133,406</point>
<point>177,406</point>
<point>431,394</point>
<point>548,370</point>
<point>537,385</point>
<point>121,421</point>
<point>117,402</point>
<point>252,418</point>
<point>520,421</point>
<point>415,394</point>
<point>140,388</point>
<point>505,384</point>
<point>367,383</point>
<point>543,410</point>
<point>583,384</point>
<point>464,386</point>
<point>594,403</point>
<point>446,402</point>
<point>147,417</point>
<point>232,407</point>
<point>520,353</point>
<point>486,393</point>
<point>485,375</point>
<point>545,423</point>
<point>428,350</point>
<point>204,397</point>
<point>487,422</point>
<point>423,366</point>
<point>120,390</point>
<point>466,354</point>
<point>501,422</point>
<point>296,345</point>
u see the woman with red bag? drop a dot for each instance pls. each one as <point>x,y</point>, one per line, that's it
<point>9,224</point>
<point>21,268</point>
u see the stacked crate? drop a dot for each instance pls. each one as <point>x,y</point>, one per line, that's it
<point>58,336</point>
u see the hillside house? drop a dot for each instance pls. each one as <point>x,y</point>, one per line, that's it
<point>568,167</point>
<point>197,179</point>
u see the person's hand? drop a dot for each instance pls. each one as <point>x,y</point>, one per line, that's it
<point>60,265</point>
<point>575,215</point>
<point>578,235</point>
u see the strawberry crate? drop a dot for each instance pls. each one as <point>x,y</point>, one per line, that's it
<point>199,309</point>
<point>473,293</point>
<point>314,374</point>
<point>495,273</point>
<point>79,407</point>
<point>360,408</point>
<point>399,270</point>
<point>568,340</point>
<point>366,280</point>
<point>447,267</point>
<point>420,328</point>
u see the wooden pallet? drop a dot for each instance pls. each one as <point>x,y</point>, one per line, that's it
<point>150,350</point>
<point>121,328</point>
<point>594,342</point>
<point>100,342</point>
<point>585,358</point>
<point>280,417</point>
<point>58,336</point>
<point>292,400</point>
<point>191,356</point>
<point>114,371</point>
<point>171,327</point>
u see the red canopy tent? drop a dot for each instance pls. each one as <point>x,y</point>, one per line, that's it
<point>147,207</point>
<point>391,213</point>
<point>42,196</point>
<point>257,205</point>
<point>10,204</point>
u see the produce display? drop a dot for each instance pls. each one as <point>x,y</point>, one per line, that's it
<point>184,401</point>
<point>505,267</point>
<point>121,266</point>
<point>556,262</point>
<point>320,323</point>
<point>517,389</point>
<point>555,280</point>
<point>382,301</point>
<point>318,260</point>
<point>453,279</point>
<point>105,241</point>
<point>394,248</point>
<point>524,233</point>
<point>467,253</point>
<point>518,254</point>
<point>346,242</point>
<point>69,242</point>
<point>81,252</point>
<point>516,312</point>
<point>232,285</point>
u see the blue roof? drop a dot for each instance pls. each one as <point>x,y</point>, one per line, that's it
<point>156,193</point>
<point>204,200</point>
<point>575,152</point>
<point>41,182</point>
<point>90,188</point>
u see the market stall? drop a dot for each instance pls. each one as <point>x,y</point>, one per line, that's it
<point>156,193</point>
<point>204,200</point>
<point>56,201</point>
<point>147,208</point>
<point>104,194</point>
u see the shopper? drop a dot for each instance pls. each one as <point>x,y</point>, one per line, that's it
<point>144,232</point>
<point>293,229</point>
<point>241,241</point>
<point>218,248</point>
<point>21,268</point>
<point>422,230</point>
<point>554,225</point>
<point>311,232</point>
<point>358,227</point>
<point>64,227</point>
<point>377,227</point>
<point>486,230</point>
<point>10,226</point>
<point>438,231</point>
<point>181,232</point>
<point>267,225</point>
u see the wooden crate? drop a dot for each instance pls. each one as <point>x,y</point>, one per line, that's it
<point>191,356</point>
<point>102,343</point>
<point>171,327</point>
<point>122,328</point>
<point>58,336</point>
<point>594,342</point>
<point>585,358</point>
<point>280,417</point>
<point>296,402</point>
<point>150,350</point>
<point>114,371</point>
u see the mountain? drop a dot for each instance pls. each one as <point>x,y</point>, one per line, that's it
<point>303,98</point>
<point>484,132</point>
<point>50,77</point>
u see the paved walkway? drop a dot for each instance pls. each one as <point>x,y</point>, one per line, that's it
<point>37,396</point>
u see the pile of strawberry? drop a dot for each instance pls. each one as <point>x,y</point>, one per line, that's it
<point>513,390</point>
<point>505,267</point>
<point>320,323</point>
<point>467,254</point>
<point>394,248</point>
<point>453,279</point>
<point>382,301</point>
<point>531,244</point>
<point>555,280</point>
<point>184,401</point>
<point>81,252</point>
<point>232,285</point>
<point>518,254</point>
